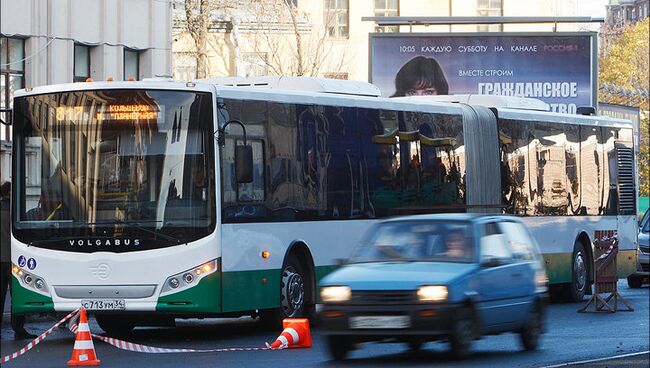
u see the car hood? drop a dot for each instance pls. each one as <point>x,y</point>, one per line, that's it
<point>397,275</point>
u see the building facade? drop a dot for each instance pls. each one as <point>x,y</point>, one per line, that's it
<point>624,12</point>
<point>337,37</point>
<point>46,42</point>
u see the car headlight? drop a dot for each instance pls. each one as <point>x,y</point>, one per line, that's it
<point>541,279</point>
<point>335,294</point>
<point>432,293</point>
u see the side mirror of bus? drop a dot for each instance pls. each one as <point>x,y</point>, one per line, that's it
<point>244,164</point>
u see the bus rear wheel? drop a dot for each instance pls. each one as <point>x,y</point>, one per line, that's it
<point>293,294</point>
<point>115,325</point>
<point>579,273</point>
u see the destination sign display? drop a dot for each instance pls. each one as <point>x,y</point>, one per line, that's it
<point>119,112</point>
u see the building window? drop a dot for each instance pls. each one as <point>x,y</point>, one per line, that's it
<point>12,76</point>
<point>131,64</point>
<point>255,64</point>
<point>81,63</point>
<point>337,18</point>
<point>386,8</point>
<point>489,8</point>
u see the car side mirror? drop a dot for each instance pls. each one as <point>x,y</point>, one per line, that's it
<point>244,164</point>
<point>491,262</point>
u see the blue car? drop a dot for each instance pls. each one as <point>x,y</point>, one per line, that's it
<point>437,277</point>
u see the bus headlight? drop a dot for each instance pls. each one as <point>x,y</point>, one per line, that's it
<point>40,284</point>
<point>432,293</point>
<point>173,282</point>
<point>188,278</point>
<point>30,280</point>
<point>335,294</point>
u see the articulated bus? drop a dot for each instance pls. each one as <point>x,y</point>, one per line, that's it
<point>154,200</point>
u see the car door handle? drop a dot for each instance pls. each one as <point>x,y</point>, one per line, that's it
<point>517,274</point>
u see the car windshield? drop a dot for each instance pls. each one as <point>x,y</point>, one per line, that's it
<point>446,241</point>
<point>646,225</point>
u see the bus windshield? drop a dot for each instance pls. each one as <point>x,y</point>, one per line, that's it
<point>114,164</point>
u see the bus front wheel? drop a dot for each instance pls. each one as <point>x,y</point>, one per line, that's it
<point>579,273</point>
<point>293,293</point>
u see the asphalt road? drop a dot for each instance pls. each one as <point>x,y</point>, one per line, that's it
<point>570,337</point>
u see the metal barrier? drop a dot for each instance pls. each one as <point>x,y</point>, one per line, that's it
<point>605,278</point>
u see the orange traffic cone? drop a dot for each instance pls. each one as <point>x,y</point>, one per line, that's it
<point>295,334</point>
<point>83,353</point>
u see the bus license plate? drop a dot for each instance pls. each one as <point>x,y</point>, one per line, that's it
<point>369,322</point>
<point>104,304</point>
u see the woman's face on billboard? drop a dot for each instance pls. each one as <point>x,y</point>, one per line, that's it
<point>431,91</point>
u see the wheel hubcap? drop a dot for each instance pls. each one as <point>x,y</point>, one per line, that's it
<point>293,292</point>
<point>580,271</point>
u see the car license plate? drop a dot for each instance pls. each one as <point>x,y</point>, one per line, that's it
<point>369,322</point>
<point>104,304</point>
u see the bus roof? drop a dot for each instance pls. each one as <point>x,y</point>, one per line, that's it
<point>487,100</point>
<point>322,85</point>
<point>274,91</point>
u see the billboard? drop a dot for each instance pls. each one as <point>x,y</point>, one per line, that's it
<point>557,68</point>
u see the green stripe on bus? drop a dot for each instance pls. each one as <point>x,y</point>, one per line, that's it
<point>559,268</point>
<point>205,297</point>
<point>247,290</point>
<point>26,301</point>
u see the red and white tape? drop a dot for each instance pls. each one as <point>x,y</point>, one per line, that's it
<point>73,319</point>
<point>139,348</point>
<point>40,338</point>
<point>606,254</point>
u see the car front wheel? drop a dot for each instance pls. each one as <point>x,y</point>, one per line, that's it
<point>462,334</point>
<point>338,346</point>
<point>532,331</point>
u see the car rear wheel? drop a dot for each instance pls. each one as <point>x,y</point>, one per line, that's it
<point>634,282</point>
<point>462,334</point>
<point>338,346</point>
<point>532,331</point>
<point>579,274</point>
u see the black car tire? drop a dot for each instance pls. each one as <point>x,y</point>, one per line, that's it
<point>463,332</point>
<point>531,333</point>
<point>115,325</point>
<point>338,346</point>
<point>580,269</point>
<point>415,345</point>
<point>634,282</point>
<point>292,279</point>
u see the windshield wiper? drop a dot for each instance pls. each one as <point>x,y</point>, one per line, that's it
<point>134,223</point>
